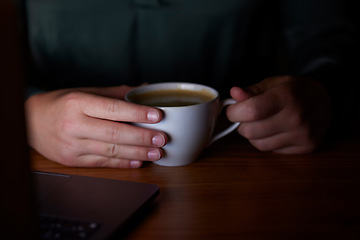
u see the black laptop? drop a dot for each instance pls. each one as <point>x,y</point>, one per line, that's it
<point>39,205</point>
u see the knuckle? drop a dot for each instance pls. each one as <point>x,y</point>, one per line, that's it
<point>144,137</point>
<point>68,122</point>
<point>248,132</point>
<point>72,99</point>
<point>124,164</point>
<point>102,162</point>
<point>113,107</point>
<point>113,132</point>
<point>112,163</point>
<point>139,114</point>
<point>232,113</point>
<point>252,112</point>
<point>296,119</point>
<point>113,150</point>
<point>68,162</point>
<point>70,153</point>
<point>69,126</point>
<point>261,145</point>
<point>255,89</point>
<point>68,158</point>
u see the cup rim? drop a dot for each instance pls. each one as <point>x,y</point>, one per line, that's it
<point>170,85</point>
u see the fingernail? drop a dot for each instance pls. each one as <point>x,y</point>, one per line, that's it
<point>135,164</point>
<point>153,116</point>
<point>158,140</point>
<point>154,155</point>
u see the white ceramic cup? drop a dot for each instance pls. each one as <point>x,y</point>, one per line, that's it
<point>189,128</point>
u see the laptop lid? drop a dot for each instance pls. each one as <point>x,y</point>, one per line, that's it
<point>98,206</point>
<point>26,195</point>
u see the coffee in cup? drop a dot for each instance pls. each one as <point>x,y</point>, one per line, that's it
<point>190,112</point>
<point>172,98</point>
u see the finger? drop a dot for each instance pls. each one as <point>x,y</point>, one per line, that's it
<point>255,108</point>
<point>273,143</point>
<point>295,150</point>
<point>101,161</point>
<point>112,150</point>
<point>117,110</point>
<point>239,94</point>
<point>287,142</point>
<point>120,133</point>
<point>270,126</point>
<point>260,129</point>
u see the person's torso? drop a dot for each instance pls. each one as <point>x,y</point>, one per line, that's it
<point>111,42</point>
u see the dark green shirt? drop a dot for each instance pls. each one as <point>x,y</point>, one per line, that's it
<point>220,43</point>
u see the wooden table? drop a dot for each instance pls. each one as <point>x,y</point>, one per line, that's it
<point>236,192</point>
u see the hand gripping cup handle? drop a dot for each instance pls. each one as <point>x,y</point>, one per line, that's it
<point>231,128</point>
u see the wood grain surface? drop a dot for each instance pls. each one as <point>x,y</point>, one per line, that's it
<point>234,191</point>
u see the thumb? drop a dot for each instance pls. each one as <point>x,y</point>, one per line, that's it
<point>239,94</point>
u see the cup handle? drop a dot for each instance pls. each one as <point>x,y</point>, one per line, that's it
<point>229,129</point>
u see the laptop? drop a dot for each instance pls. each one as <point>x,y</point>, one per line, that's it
<point>42,205</point>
